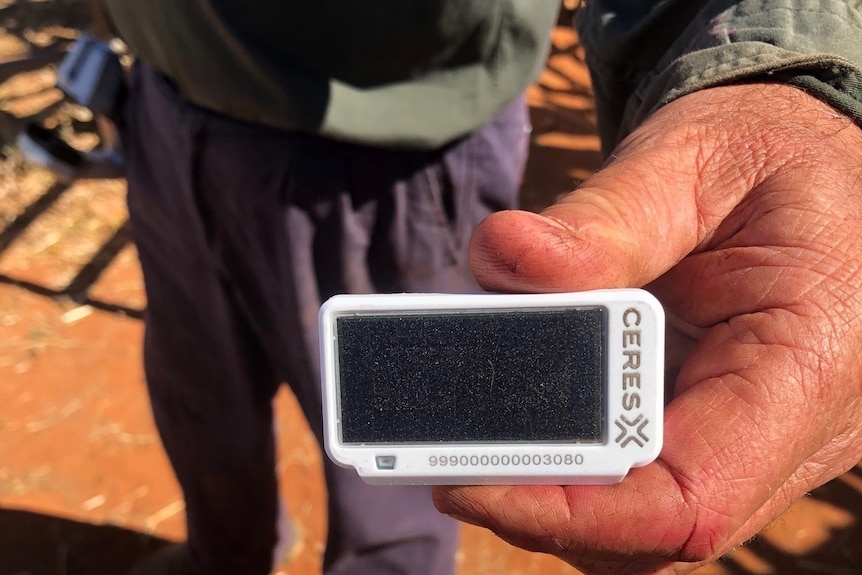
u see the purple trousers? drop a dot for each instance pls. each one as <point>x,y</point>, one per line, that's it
<point>242,231</point>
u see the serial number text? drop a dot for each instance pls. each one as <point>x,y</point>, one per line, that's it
<point>505,460</point>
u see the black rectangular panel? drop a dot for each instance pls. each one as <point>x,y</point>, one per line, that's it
<point>469,377</point>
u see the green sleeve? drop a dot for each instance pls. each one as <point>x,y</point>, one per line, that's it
<point>643,55</point>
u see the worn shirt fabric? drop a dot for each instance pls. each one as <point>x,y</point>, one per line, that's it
<point>389,72</point>
<point>643,54</point>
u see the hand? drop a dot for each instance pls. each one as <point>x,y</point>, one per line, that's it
<point>740,208</point>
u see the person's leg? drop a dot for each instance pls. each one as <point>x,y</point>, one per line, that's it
<point>272,223</point>
<point>228,225</point>
<point>209,382</point>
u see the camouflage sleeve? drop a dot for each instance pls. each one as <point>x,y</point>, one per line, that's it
<point>643,54</point>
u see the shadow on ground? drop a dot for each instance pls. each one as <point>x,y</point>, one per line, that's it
<point>35,544</point>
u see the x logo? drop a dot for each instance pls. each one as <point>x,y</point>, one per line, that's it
<point>628,430</point>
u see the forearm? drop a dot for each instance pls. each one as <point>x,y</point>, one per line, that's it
<point>643,55</point>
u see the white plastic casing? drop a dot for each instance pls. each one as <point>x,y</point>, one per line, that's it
<point>633,398</point>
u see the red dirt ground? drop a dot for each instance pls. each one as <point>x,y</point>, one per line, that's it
<point>85,488</point>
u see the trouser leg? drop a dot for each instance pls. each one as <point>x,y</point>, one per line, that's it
<point>209,382</point>
<point>243,231</point>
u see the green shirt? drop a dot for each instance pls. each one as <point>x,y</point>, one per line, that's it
<point>415,73</point>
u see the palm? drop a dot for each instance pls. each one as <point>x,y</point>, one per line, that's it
<point>752,247</point>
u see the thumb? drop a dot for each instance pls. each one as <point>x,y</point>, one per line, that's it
<point>661,194</point>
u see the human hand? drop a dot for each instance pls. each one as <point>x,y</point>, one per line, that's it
<point>740,208</point>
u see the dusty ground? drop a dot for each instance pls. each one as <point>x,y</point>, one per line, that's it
<point>84,486</point>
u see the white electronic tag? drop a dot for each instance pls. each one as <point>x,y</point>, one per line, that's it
<point>493,388</point>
